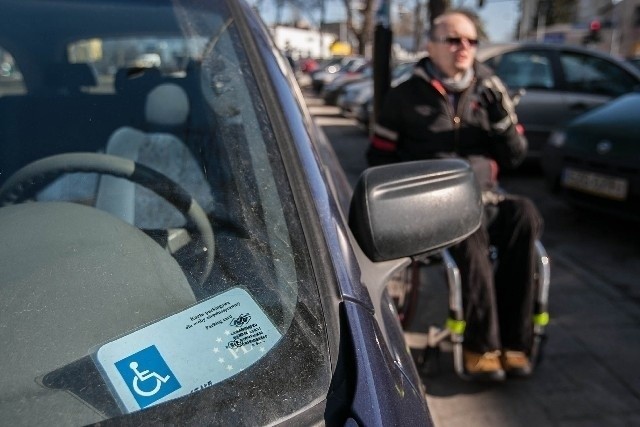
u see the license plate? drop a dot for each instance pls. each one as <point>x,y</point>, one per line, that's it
<point>596,184</point>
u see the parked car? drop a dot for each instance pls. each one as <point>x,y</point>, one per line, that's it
<point>560,83</point>
<point>330,69</point>
<point>332,90</point>
<point>595,160</point>
<point>183,248</point>
<point>355,98</point>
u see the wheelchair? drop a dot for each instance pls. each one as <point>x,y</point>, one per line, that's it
<point>426,347</point>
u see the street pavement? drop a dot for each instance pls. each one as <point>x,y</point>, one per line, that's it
<point>590,370</point>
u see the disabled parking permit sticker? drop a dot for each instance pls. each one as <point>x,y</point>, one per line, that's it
<point>188,351</point>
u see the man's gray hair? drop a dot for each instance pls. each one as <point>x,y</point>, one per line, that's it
<point>473,17</point>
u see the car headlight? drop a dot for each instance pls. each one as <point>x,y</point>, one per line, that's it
<point>557,139</point>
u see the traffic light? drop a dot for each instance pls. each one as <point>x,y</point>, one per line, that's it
<point>594,32</point>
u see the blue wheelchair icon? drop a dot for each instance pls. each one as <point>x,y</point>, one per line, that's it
<point>148,376</point>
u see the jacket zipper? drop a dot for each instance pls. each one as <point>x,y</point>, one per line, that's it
<point>456,117</point>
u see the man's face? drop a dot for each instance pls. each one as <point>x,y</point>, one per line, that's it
<point>453,46</point>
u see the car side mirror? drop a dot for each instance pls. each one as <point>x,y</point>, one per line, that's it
<point>414,208</point>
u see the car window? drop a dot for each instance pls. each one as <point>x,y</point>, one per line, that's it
<point>157,268</point>
<point>524,69</point>
<point>11,82</point>
<point>589,74</point>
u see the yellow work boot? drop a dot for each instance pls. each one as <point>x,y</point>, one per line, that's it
<point>483,366</point>
<point>516,363</point>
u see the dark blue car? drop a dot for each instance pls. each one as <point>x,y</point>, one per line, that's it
<point>592,162</point>
<point>180,245</point>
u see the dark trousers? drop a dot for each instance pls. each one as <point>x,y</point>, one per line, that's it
<point>499,298</point>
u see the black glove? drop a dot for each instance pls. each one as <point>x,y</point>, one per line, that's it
<point>491,100</point>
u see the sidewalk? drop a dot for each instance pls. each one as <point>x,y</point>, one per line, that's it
<point>589,374</point>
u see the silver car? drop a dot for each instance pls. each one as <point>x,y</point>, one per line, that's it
<point>560,82</point>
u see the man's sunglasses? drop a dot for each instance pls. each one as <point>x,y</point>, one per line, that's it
<point>455,41</point>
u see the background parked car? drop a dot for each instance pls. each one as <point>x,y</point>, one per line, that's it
<point>181,247</point>
<point>355,98</point>
<point>561,82</point>
<point>595,160</point>
<point>329,70</point>
<point>332,90</point>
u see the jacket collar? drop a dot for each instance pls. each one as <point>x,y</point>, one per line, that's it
<point>481,71</point>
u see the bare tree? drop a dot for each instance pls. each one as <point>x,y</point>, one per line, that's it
<point>361,25</point>
<point>418,26</point>
<point>308,6</point>
<point>360,17</point>
<point>436,8</point>
<point>410,21</point>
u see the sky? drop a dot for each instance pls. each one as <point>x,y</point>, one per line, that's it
<point>499,16</point>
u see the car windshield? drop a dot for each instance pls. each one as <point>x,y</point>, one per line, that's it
<point>153,257</point>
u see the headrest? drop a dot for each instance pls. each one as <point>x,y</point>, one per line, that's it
<point>167,105</point>
<point>71,75</point>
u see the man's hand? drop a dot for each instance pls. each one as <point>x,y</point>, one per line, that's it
<point>491,99</point>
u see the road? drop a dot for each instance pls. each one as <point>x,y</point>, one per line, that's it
<point>589,375</point>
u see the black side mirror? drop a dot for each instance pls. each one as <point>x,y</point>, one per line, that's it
<point>414,208</point>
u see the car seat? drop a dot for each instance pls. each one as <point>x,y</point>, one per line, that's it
<point>158,147</point>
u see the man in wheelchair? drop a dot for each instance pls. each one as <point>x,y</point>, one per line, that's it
<point>454,106</point>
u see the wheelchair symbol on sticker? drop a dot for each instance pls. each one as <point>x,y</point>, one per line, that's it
<point>148,376</point>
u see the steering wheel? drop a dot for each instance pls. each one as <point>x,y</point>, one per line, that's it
<point>27,181</point>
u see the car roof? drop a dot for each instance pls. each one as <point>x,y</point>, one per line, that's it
<point>507,46</point>
<point>488,51</point>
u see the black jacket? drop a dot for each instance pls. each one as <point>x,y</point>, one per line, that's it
<point>417,121</point>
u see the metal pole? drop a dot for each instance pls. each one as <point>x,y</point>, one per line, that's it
<point>322,18</point>
<point>381,56</point>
